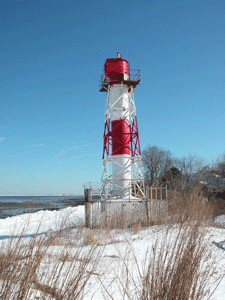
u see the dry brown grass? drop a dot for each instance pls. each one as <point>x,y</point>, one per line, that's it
<point>92,238</point>
<point>69,273</point>
<point>136,227</point>
<point>178,266</point>
<point>19,264</point>
<point>29,266</point>
<point>193,208</point>
<point>82,237</point>
<point>174,268</point>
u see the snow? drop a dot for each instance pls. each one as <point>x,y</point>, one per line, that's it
<point>117,246</point>
<point>220,220</point>
<point>42,221</point>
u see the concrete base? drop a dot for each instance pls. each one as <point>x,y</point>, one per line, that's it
<point>122,214</point>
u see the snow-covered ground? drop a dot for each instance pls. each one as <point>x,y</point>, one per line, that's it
<point>117,246</point>
<point>43,221</point>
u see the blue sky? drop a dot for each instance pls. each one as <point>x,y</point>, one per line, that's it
<point>51,111</point>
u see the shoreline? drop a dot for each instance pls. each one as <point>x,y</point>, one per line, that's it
<point>17,205</point>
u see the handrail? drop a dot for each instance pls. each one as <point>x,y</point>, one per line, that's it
<point>135,75</point>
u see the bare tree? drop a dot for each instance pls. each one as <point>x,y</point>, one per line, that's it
<point>178,173</point>
<point>156,162</point>
<point>189,165</point>
<point>220,167</point>
<point>172,178</point>
<point>192,170</point>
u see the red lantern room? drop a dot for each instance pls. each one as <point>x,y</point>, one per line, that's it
<point>117,70</point>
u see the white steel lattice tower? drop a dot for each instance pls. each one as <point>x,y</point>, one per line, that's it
<point>121,177</point>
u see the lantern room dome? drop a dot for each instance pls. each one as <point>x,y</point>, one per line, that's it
<point>117,69</point>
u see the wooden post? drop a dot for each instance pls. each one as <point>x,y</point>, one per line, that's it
<point>88,200</point>
<point>147,200</point>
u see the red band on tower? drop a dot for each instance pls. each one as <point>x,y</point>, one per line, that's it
<point>121,137</point>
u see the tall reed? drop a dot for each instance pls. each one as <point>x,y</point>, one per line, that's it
<point>34,267</point>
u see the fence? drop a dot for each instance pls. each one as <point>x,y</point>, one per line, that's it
<point>156,192</point>
<point>120,213</point>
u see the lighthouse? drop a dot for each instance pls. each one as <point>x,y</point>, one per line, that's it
<point>121,176</point>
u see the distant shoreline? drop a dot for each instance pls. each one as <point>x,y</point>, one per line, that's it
<point>16,205</point>
<point>39,195</point>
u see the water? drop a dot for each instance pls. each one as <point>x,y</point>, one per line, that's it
<point>16,205</point>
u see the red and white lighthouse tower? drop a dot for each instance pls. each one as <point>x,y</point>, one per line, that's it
<point>121,177</point>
